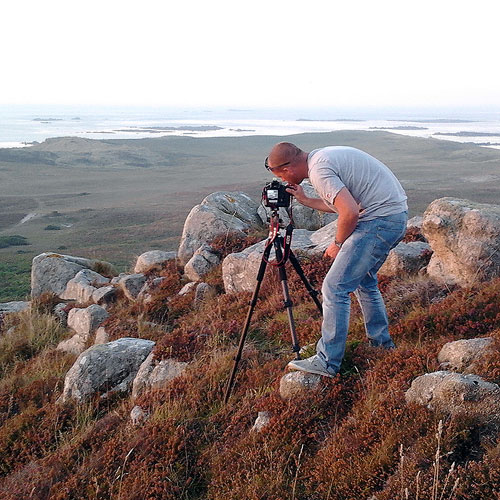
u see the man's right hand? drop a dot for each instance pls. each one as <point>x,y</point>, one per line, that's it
<point>297,192</point>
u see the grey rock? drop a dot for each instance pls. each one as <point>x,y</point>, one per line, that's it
<point>415,222</point>
<point>188,287</point>
<point>146,293</point>
<point>465,239</point>
<point>219,213</point>
<point>297,382</point>
<point>14,307</point>
<point>51,272</point>
<point>138,415</point>
<point>239,270</point>
<point>201,263</point>
<point>154,374</point>
<point>104,295</point>
<point>105,368</point>
<point>116,279</point>
<point>60,313</point>
<point>86,321</point>
<point>203,292</point>
<point>406,258</point>
<point>455,393</point>
<point>74,345</point>
<point>261,422</point>
<point>132,284</point>
<point>461,355</point>
<point>81,287</point>
<point>101,336</point>
<point>152,260</point>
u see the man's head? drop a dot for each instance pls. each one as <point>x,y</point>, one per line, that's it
<point>288,162</point>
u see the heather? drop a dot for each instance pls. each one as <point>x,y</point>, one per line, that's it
<point>354,437</point>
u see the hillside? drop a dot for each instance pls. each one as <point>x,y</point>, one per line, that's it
<point>107,198</point>
<point>352,437</point>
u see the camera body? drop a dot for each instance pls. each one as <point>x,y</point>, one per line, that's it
<point>275,195</point>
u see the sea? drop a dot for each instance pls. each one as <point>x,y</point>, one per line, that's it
<point>25,125</point>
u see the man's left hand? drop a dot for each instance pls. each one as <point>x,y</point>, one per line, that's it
<point>332,251</point>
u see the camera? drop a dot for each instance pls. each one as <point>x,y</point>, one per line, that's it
<point>275,195</point>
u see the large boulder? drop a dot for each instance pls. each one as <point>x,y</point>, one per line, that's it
<point>406,258</point>
<point>455,393</point>
<point>201,263</point>
<point>465,239</point>
<point>303,217</point>
<point>81,287</point>
<point>105,368</point>
<point>154,259</point>
<point>239,270</point>
<point>154,374</point>
<point>51,272</point>
<point>461,355</point>
<point>219,213</point>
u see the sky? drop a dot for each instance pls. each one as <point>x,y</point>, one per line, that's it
<point>254,53</point>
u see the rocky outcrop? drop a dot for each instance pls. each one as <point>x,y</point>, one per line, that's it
<point>462,355</point>
<point>465,238</point>
<point>239,270</point>
<point>105,368</point>
<point>219,213</point>
<point>153,260</point>
<point>155,374</point>
<point>51,272</point>
<point>297,382</point>
<point>201,263</point>
<point>81,287</point>
<point>406,258</point>
<point>454,393</point>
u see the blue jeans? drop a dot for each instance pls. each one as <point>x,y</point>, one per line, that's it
<point>355,270</point>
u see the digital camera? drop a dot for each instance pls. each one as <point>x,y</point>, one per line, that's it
<point>275,195</point>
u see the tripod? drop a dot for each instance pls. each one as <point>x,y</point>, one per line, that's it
<point>283,253</point>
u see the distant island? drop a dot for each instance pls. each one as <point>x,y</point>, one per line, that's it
<point>435,120</point>
<point>400,127</point>
<point>466,133</point>
<point>329,120</point>
<point>157,130</point>
<point>46,120</point>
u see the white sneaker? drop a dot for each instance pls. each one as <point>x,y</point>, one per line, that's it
<point>310,365</point>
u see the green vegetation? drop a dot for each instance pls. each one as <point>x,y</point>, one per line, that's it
<point>13,241</point>
<point>52,227</point>
<point>15,276</point>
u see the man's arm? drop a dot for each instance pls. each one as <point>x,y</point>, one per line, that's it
<point>348,211</point>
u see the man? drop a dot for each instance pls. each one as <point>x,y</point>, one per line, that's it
<point>372,215</point>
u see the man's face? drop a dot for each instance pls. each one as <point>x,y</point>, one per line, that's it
<point>287,172</point>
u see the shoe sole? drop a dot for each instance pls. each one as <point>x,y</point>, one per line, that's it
<point>312,370</point>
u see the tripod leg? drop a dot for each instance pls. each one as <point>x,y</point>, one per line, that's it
<point>253,302</point>
<point>278,243</point>
<point>312,292</point>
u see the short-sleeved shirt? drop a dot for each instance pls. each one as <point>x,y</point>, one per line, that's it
<point>371,183</point>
